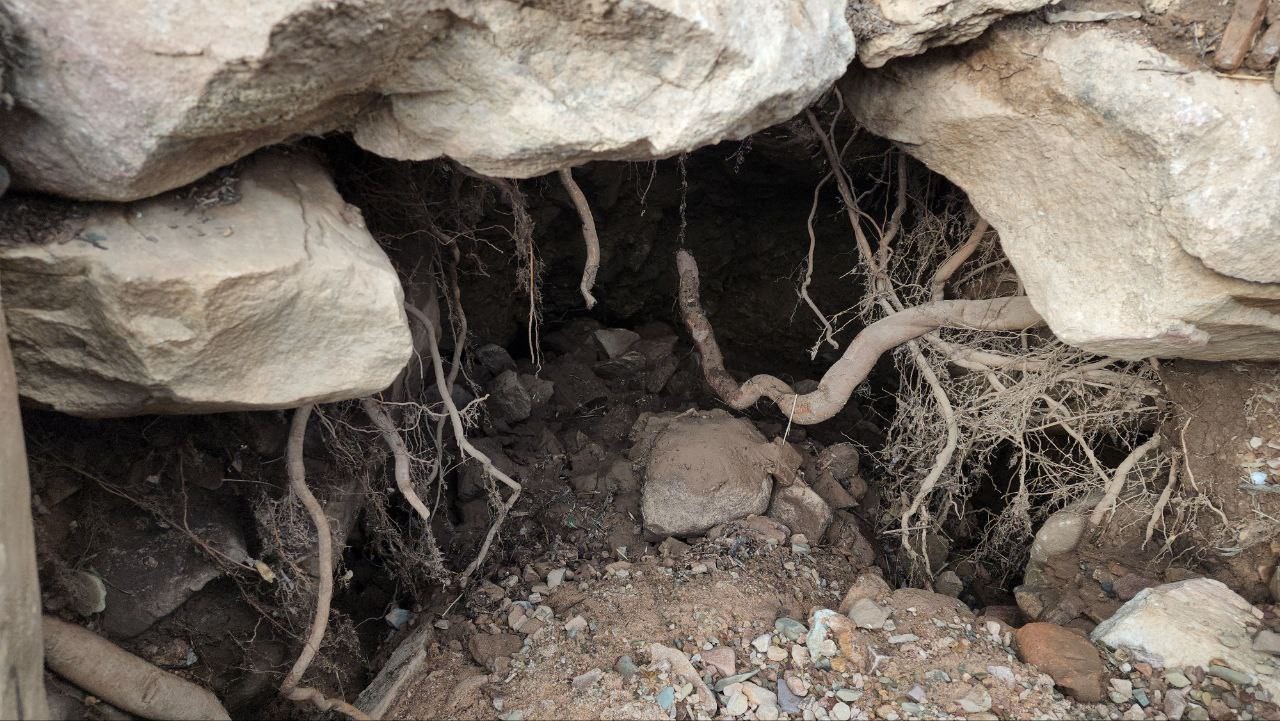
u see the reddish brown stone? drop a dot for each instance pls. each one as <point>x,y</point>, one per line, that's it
<point>1128,586</point>
<point>1067,656</point>
<point>1246,19</point>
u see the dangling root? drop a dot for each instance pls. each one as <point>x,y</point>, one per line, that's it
<point>1108,501</point>
<point>399,452</point>
<point>324,546</point>
<point>460,434</point>
<point>589,236</point>
<point>839,382</point>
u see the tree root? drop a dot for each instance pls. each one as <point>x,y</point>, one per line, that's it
<point>460,435</point>
<point>839,382</point>
<point>400,454</point>
<point>290,687</point>
<point>589,236</point>
<point>1108,501</point>
<point>121,679</point>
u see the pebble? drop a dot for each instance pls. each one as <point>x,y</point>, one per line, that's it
<point>976,701</point>
<point>911,709</point>
<point>1121,690</point>
<point>1133,713</point>
<point>938,675</point>
<point>1141,697</point>
<point>790,629</point>
<point>1176,679</point>
<point>762,642</point>
<point>1196,713</point>
<point>728,681</point>
<point>904,638</point>
<point>625,667</point>
<point>886,712</point>
<point>1267,641</point>
<point>789,702</point>
<point>773,653</point>
<point>767,712</point>
<point>736,705</point>
<point>666,699</point>
<point>868,614</point>
<point>1004,673</point>
<point>575,626</point>
<point>841,711</point>
<point>917,694</point>
<point>1230,674</point>
<point>588,679</point>
<point>513,715</point>
<point>849,695</point>
<point>556,577</point>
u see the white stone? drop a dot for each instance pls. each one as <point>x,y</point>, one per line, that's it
<point>1190,623</point>
<point>888,29</point>
<point>1137,206</point>
<point>119,100</point>
<point>164,306</point>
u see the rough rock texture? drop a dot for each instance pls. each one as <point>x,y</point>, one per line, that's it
<point>701,469</point>
<point>149,572</point>
<point>175,305</point>
<point>21,645</point>
<point>1191,623</point>
<point>1067,656</point>
<point>888,29</point>
<point>122,100</point>
<point>1144,220</point>
<point>802,510</point>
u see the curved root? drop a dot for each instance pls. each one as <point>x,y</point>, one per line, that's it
<point>589,236</point>
<point>839,382</point>
<point>324,545</point>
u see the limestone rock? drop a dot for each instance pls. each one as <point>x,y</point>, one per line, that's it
<point>1145,221</point>
<point>172,305</point>
<point>801,510</point>
<point>888,29</point>
<point>1067,656</point>
<point>700,469</point>
<point>120,100</point>
<point>1190,623</point>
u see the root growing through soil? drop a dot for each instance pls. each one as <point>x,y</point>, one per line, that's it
<point>291,686</point>
<point>589,237</point>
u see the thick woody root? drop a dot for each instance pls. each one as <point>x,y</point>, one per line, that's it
<point>844,376</point>
<point>121,679</point>
<point>290,687</point>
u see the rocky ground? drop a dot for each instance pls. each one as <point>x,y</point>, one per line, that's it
<point>753,624</point>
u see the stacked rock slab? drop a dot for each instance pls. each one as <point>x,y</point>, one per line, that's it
<point>120,100</point>
<point>263,290</point>
<point>1134,196</point>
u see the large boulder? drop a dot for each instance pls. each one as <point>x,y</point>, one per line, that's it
<point>703,468</point>
<point>1134,196</point>
<point>121,100</point>
<point>1197,622</point>
<point>260,289</point>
